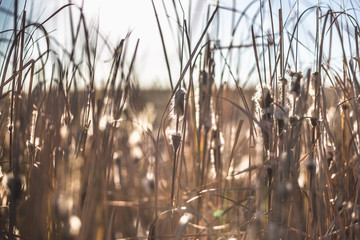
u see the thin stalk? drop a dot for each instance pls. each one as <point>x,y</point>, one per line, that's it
<point>172,203</point>
<point>262,39</point>
<point>297,39</point>
<point>256,57</point>
<point>12,129</point>
<point>163,45</point>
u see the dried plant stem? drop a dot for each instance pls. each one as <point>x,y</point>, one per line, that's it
<point>172,203</point>
<point>163,45</point>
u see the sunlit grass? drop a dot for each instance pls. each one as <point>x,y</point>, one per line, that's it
<point>206,159</point>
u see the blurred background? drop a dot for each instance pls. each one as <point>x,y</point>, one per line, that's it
<point>135,19</point>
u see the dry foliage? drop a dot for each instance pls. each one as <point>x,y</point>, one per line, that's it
<point>213,162</point>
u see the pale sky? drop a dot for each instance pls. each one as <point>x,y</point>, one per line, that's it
<point>116,18</point>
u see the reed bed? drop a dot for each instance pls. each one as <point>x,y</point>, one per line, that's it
<point>213,158</point>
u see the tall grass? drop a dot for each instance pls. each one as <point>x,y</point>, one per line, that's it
<point>213,159</point>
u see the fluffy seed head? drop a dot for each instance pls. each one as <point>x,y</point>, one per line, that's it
<point>266,98</point>
<point>310,165</point>
<point>175,140</point>
<point>179,102</point>
<point>263,97</point>
<point>315,84</point>
<point>283,80</point>
<point>295,84</point>
<point>313,121</point>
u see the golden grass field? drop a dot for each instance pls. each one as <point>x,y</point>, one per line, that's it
<point>211,157</point>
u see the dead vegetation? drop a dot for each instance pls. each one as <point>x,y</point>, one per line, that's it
<point>79,162</point>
